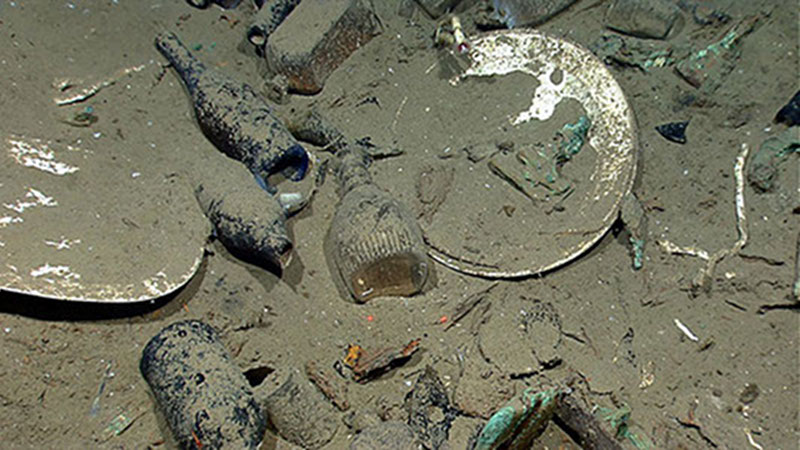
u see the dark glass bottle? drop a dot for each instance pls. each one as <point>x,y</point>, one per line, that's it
<point>234,118</point>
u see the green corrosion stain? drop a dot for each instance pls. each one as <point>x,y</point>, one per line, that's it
<point>574,135</point>
<point>619,420</point>
<point>511,424</point>
<point>638,252</point>
<point>497,428</point>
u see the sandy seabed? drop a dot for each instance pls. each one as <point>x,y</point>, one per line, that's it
<point>735,387</point>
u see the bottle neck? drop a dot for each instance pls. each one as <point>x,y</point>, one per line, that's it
<point>353,168</point>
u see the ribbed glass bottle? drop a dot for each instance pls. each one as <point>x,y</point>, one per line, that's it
<point>374,245</point>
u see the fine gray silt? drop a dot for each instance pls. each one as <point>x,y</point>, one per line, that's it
<point>234,118</point>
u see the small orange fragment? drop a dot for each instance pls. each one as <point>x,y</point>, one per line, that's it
<point>197,442</point>
<point>354,352</point>
<point>410,348</point>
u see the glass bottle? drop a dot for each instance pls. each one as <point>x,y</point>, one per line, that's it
<point>374,245</point>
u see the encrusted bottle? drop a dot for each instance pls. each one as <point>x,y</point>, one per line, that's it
<point>234,118</point>
<point>374,245</point>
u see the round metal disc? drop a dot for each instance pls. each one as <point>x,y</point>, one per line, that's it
<point>498,232</point>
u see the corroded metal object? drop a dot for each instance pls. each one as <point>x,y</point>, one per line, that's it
<point>564,71</point>
<point>68,233</point>
<point>368,364</point>
<point>374,245</point>
<point>234,118</point>
<point>519,423</point>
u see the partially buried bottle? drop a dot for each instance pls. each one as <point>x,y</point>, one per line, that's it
<point>234,118</point>
<point>374,245</point>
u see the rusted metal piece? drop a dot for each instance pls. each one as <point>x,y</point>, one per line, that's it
<point>331,387</point>
<point>366,366</point>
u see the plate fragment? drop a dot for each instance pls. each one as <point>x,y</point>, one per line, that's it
<point>80,225</point>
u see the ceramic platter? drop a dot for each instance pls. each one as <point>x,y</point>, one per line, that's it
<point>82,224</point>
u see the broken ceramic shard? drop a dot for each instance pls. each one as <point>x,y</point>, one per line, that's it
<point>375,247</point>
<point>564,75</point>
<point>674,131</point>
<point>139,251</point>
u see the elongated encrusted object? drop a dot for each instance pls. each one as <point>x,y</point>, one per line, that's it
<point>234,118</point>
